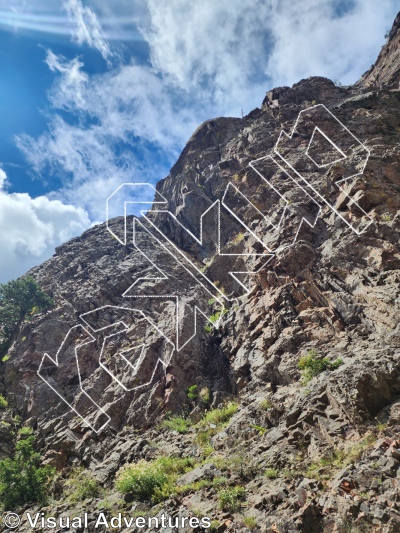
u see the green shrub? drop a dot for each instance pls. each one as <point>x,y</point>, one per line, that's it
<point>271,473</point>
<point>193,487</point>
<point>105,504</point>
<point>192,392</point>
<point>203,436</point>
<point>175,465</point>
<point>152,480</point>
<point>220,481</point>
<point>23,479</point>
<point>18,299</point>
<point>177,423</point>
<point>82,486</point>
<point>214,318</point>
<point>206,451</point>
<point>141,479</point>
<point>237,465</point>
<point>323,467</point>
<point>311,366</point>
<point>214,526</point>
<point>25,431</point>
<point>250,522</point>
<point>266,404</point>
<point>6,358</point>
<point>3,402</point>
<point>219,416</point>
<point>229,499</point>
<point>204,396</point>
<point>260,429</point>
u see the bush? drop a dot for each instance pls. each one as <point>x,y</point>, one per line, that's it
<point>266,404</point>
<point>311,366</point>
<point>177,423</point>
<point>205,396</point>
<point>271,473</point>
<point>25,431</point>
<point>88,488</point>
<point>141,479</point>
<point>229,499</point>
<point>3,402</point>
<point>214,319</point>
<point>250,522</point>
<point>239,465</point>
<point>83,486</point>
<point>152,480</point>
<point>260,429</point>
<point>175,465</point>
<point>192,392</point>
<point>18,299</point>
<point>214,526</point>
<point>23,479</point>
<point>219,416</point>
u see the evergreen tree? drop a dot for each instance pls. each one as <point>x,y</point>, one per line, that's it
<point>19,298</point>
<point>24,479</point>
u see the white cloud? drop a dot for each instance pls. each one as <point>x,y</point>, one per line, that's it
<point>120,115</point>
<point>207,59</point>
<point>86,27</point>
<point>240,50</point>
<point>310,40</point>
<point>219,48</point>
<point>74,79</point>
<point>30,229</point>
<point>130,101</point>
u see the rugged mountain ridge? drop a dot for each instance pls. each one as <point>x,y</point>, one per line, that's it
<point>329,448</point>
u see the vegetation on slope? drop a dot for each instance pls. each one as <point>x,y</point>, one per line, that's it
<point>18,299</point>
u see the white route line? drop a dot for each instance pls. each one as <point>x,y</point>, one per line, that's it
<point>196,309</point>
<point>139,202</point>
<point>93,339</point>
<point>56,363</point>
<point>181,258</point>
<point>332,143</point>
<point>290,136</point>
<point>303,220</point>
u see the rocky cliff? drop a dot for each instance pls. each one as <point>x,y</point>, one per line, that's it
<point>313,446</point>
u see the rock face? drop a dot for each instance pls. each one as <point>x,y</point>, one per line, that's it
<point>316,456</point>
<point>385,72</point>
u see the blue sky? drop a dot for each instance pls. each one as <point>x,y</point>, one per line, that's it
<point>96,93</point>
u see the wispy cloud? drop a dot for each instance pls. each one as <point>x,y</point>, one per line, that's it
<point>217,51</point>
<point>85,27</point>
<point>338,40</point>
<point>125,121</point>
<point>206,59</point>
<point>48,16</point>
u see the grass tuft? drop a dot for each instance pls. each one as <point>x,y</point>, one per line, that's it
<point>230,499</point>
<point>177,423</point>
<point>311,366</point>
